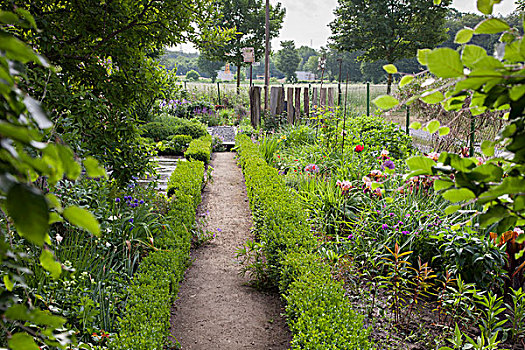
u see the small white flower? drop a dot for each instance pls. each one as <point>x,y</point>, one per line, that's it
<point>108,244</point>
<point>59,238</point>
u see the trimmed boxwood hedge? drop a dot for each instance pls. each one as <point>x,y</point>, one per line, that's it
<point>200,149</point>
<point>146,321</point>
<point>318,312</point>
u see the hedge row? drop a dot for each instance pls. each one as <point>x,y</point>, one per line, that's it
<point>145,324</point>
<point>200,149</point>
<point>318,313</point>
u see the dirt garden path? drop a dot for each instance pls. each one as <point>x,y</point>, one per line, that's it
<point>216,310</point>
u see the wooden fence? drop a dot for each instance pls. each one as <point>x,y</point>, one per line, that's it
<point>289,102</point>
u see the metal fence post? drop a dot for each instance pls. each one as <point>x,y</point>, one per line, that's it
<point>219,92</point>
<point>472,131</point>
<point>368,99</point>
<point>408,121</point>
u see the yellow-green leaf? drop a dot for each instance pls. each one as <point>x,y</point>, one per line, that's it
<point>464,36</point>
<point>415,125</point>
<point>407,79</point>
<point>445,63</point>
<point>386,102</point>
<point>422,56</point>
<point>443,131</point>
<point>491,26</point>
<point>390,68</point>
<point>47,260</point>
<point>8,283</point>
<point>83,219</point>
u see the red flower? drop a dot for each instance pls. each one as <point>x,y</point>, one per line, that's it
<point>359,148</point>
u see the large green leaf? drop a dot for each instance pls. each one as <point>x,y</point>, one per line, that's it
<point>28,209</point>
<point>459,195</point>
<point>485,6</point>
<point>47,260</point>
<point>471,54</point>
<point>442,184</point>
<point>491,26</point>
<point>445,63</point>
<point>432,97</point>
<point>407,79</point>
<point>487,147</point>
<point>422,163</point>
<point>93,168</point>
<point>464,36</point>
<point>390,68</point>
<point>22,341</point>
<point>422,55</point>
<point>82,218</point>
<point>386,102</point>
<point>433,126</point>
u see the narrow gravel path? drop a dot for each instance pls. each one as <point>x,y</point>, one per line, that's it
<point>216,310</point>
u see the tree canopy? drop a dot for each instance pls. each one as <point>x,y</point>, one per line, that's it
<point>248,19</point>
<point>107,78</point>
<point>388,29</point>
<point>288,60</point>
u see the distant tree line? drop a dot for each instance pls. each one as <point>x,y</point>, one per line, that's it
<point>283,62</point>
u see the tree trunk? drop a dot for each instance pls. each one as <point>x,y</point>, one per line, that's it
<point>238,78</point>
<point>389,84</point>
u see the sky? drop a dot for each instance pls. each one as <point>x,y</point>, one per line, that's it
<point>306,21</point>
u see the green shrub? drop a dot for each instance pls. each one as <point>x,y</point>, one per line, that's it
<point>200,149</point>
<point>165,126</point>
<point>175,145</point>
<point>319,314</point>
<point>145,324</point>
<point>193,75</point>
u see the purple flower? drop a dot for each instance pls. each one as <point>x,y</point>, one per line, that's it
<point>131,229</point>
<point>131,220</point>
<point>400,223</point>
<point>141,202</point>
<point>384,226</point>
<point>391,214</point>
<point>405,232</point>
<point>117,200</point>
<point>388,164</point>
<point>351,236</point>
<point>219,230</point>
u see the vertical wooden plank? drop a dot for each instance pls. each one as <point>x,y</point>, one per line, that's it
<point>280,100</point>
<point>322,97</point>
<point>255,106</point>
<point>289,105</point>
<point>331,98</point>
<point>306,102</point>
<point>297,116</point>
<point>281,103</point>
<point>315,94</point>
<point>274,100</point>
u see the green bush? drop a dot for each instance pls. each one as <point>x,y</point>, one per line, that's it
<point>200,149</point>
<point>166,126</point>
<point>175,145</point>
<point>145,324</point>
<point>319,314</point>
<point>193,75</point>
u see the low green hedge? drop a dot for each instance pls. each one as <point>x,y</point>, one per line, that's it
<point>200,149</point>
<point>164,126</point>
<point>319,314</point>
<point>146,321</point>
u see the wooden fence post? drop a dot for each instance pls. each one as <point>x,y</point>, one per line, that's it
<point>331,98</point>
<point>307,102</point>
<point>276,104</point>
<point>315,94</point>
<point>322,97</point>
<point>297,116</point>
<point>255,106</point>
<point>289,105</point>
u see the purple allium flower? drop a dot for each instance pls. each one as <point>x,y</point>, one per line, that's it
<point>388,164</point>
<point>384,226</point>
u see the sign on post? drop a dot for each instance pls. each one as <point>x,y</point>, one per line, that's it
<point>248,53</point>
